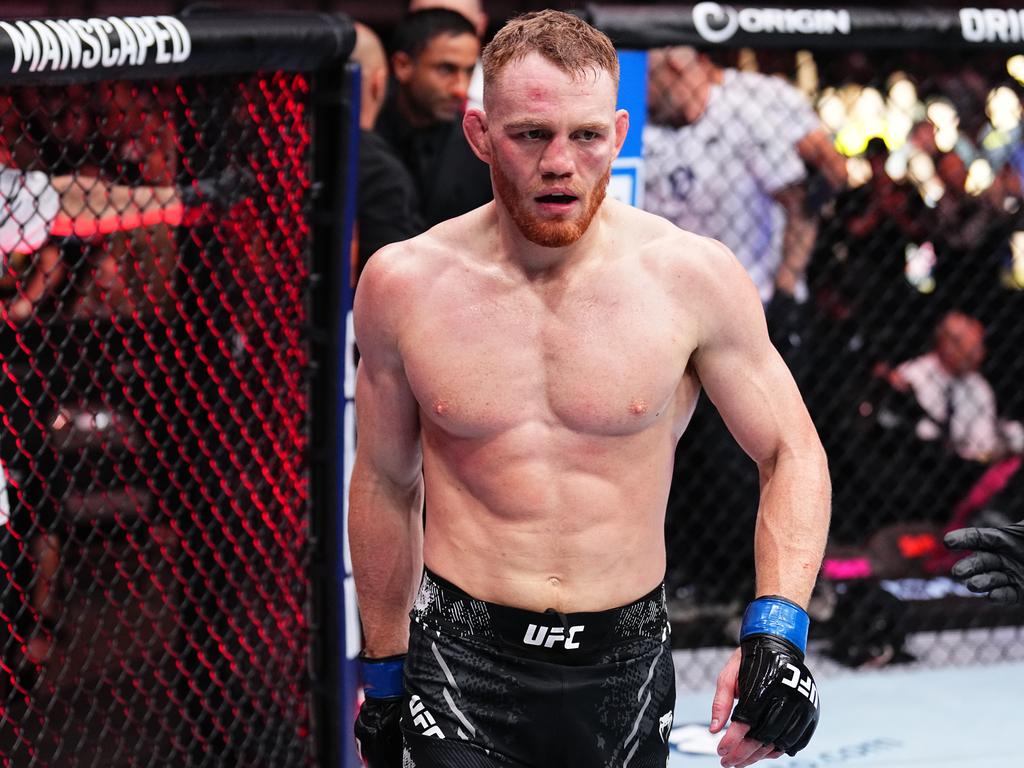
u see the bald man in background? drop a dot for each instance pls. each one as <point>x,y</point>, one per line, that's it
<point>387,203</point>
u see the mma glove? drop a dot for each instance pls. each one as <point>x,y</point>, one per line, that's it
<point>378,736</point>
<point>997,565</point>
<point>777,695</point>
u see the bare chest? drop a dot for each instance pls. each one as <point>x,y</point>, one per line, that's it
<point>592,363</point>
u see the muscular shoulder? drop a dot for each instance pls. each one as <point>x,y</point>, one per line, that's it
<point>701,276</point>
<point>684,262</point>
<point>399,275</point>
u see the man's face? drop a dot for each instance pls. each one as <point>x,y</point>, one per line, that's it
<point>961,344</point>
<point>676,83</point>
<point>435,82</point>
<point>552,140</point>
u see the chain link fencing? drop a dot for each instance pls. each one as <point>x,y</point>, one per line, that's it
<point>156,379</point>
<point>867,170</point>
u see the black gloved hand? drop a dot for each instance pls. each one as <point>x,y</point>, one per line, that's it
<point>777,695</point>
<point>220,191</point>
<point>378,735</point>
<point>778,698</point>
<point>997,565</point>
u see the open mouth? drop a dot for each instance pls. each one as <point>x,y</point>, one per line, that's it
<point>557,199</point>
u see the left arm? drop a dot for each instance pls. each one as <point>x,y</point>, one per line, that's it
<point>760,403</point>
<point>754,392</point>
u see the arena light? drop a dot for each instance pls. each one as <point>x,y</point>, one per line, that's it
<point>1015,67</point>
<point>866,121</point>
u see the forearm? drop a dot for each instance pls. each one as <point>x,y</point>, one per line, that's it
<point>385,529</point>
<point>792,523</point>
<point>797,244</point>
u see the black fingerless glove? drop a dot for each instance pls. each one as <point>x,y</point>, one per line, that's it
<point>778,698</point>
<point>997,566</point>
<point>377,731</point>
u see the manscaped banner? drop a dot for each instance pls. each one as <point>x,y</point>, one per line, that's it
<point>54,45</point>
<point>58,51</point>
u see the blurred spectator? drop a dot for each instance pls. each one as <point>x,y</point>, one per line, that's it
<point>878,233</point>
<point>474,11</point>
<point>935,433</point>
<point>958,402</point>
<point>725,153</point>
<point>387,205</point>
<point>43,295</point>
<point>974,224</point>
<point>434,54</point>
<point>1001,136</point>
<point>722,150</point>
<point>40,205</point>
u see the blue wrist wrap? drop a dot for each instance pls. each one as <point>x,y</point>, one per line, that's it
<point>383,679</point>
<point>776,616</point>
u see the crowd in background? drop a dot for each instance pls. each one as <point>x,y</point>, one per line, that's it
<point>891,233</point>
<point>922,236</point>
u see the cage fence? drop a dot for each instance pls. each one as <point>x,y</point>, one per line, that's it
<point>902,233</point>
<point>157,370</point>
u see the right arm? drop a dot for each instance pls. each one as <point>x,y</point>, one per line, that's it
<point>386,495</point>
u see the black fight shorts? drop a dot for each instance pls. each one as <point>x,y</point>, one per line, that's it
<point>490,685</point>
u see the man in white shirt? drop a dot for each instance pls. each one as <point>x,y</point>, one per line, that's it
<point>958,401</point>
<point>723,150</point>
<point>939,438</point>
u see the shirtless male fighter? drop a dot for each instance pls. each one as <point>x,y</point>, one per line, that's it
<point>529,367</point>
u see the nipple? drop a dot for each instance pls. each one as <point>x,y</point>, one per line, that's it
<point>638,406</point>
<point>441,407</point>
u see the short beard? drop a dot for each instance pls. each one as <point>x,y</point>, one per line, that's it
<point>550,234</point>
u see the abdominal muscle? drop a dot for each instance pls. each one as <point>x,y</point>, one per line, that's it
<point>539,519</point>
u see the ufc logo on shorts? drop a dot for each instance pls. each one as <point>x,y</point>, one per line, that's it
<point>805,685</point>
<point>550,636</point>
<point>422,719</point>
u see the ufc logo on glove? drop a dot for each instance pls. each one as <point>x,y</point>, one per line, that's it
<point>805,685</point>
